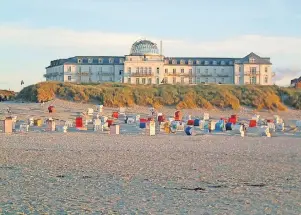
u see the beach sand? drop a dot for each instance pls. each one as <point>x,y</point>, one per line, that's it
<point>93,173</point>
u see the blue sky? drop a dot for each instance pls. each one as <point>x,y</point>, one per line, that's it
<point>33,32</point>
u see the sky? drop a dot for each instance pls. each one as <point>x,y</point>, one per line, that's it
<point>34,32</point>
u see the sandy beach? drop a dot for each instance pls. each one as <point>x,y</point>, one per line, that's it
<point>93,173</point>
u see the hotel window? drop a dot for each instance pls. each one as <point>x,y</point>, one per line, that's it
<point>90,60</point>
<point>121,60</point>
<point>253,70</point>
<point>174,61</point>
<point>79,60</point>
<point>141,70</point>
<point>182,70</point>
<point>198,62</point>
<point>174,80</point>
<point>129,69</point>
<point>190,62</point>
<point>174,71</point>
<point>182,62</point>
<point>100,60</point>
<point>137,70</point>
<point>198,71</point>
<point>150,70</point>
<point>111,60</point>
<point>206,62</point>
<point>69,78</point>
<point>253,80</point>
<point>182,80</point>
<point>190,80</point>
<point>149,81</point>
<point>137,81</point>
<point>158,70</point>
<point>69,69</point>
<point>266,69</point>
<point>190,71</point>
<point>166,71</point>
<point>145,70</point>
<point>129,80</point>
<point>266,80</point>
<point>252,60</point>
<point>143,80</point>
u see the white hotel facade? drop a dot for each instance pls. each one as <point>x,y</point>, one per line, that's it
<point>145,65</point>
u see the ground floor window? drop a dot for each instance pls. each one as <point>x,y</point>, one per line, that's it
<point>69,78</point>
<point>174,80</point>
<point>149,81</point>
<point>143,80</point>
<point>129,80</point>
<point>137,81</point>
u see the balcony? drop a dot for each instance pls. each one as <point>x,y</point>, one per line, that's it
<point>222,75</point>
<point>251,74</point>
<point>83,73</point>
<point>141,74</point>
<point>178,74</point>
<point>204,75</point>
<point>105,73</point>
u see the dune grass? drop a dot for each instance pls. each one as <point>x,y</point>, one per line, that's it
<point>7,93</point>
<point>204,96</point>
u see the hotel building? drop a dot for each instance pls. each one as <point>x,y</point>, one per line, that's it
<point>146,65</point>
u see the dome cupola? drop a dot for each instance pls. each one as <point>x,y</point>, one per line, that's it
<point>144,47</point>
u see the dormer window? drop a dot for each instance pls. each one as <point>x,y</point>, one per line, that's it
<point>166,61</point>
<point>90,60</point>
<point>174,61</point>
<point>100,60</point>
<point>252,60</point>
<point>198,62</point>
<point>231,62</point>
<point>206,62</point>
<point>222,62</point>
<point>79,60</point>
<point>190,62</point>
<point>121,60</point>
<point>111,60</point>
<point>214,62</point>
<point>182,62</point>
